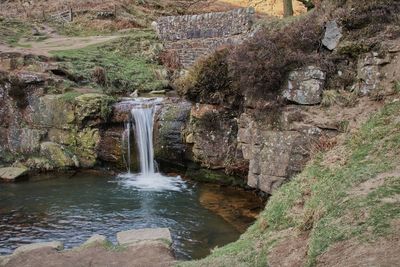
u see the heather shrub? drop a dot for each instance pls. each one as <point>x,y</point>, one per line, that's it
<point>208,81</point>
<point>261,65</point>
<point>99,76</point>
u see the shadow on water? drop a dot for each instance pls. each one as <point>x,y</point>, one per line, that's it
<point>72,208</point>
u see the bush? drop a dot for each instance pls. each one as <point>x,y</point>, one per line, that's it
<point>99,76</point>
<point>255,69</point>
<point>261,65</point>
<point>208,81</point>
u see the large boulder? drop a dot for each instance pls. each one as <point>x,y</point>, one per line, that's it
<point>52,111</point>
<point>87,142</point>
<point>11,174</point>
<point>332,36</point>
<point>369,72</point>
<point>92,109</point>
<point>58,155</point>
<point>305,86</point>
<point>25,140</point>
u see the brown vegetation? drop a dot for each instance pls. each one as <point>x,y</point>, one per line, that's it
<point>257,68</point>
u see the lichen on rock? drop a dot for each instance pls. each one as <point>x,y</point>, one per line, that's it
<point>59,156</point>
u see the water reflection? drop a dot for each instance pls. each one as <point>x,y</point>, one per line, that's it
<point>71,209</point>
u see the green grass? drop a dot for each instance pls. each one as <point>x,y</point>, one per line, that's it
<point>329,213</point>
<point>11,31</point>
<point>396,87</point>
<point>125,61</point>
<point>69,97</point>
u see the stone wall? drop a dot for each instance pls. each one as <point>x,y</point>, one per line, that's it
<point>190,37</point>
<point>188,51</point>
<point>210,25</point>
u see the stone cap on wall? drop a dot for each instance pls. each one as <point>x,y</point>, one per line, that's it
<point>208,25</point>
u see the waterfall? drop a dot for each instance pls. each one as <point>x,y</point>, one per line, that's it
<point>143,128</point>
<point>141,122</point>
<point>126,141</point>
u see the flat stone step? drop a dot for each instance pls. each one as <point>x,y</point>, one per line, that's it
<point>26,248</point>
<point>148,234</point>
<point>11,174</point>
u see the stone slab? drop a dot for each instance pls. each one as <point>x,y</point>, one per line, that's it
<point>10,174</point>
<point>148,234</point>
<point>26,248</point>
<point>95,239</point>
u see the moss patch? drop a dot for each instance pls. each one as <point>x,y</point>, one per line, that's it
<point>128,64</point>
<point>11,31</point>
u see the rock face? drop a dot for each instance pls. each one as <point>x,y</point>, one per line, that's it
<point>151,234</point>
<point>49,131</point>
<point>332,36</point>
<point>371,71</point>
<point>11,174</point>
<point>274,154</point>
<point>305,86</point>
<point>211,134</point>
<point>57,154</point>
<point>170,122</point>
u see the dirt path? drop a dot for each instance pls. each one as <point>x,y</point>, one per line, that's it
<point>57,43</point>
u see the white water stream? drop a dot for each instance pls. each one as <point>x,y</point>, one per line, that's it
<point>142,124</point>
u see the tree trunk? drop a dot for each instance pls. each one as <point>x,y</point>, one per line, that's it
<point>307,3</point>
<point>287,8</point>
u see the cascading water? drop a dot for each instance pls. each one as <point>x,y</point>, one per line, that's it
<point>126,142</point>
<point>142,121</point>
<point>143,127</point>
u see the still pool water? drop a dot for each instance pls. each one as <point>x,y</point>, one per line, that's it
<point>73,208</point>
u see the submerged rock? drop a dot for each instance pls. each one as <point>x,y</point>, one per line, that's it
<point>150,234</point>
<point>11,174</point>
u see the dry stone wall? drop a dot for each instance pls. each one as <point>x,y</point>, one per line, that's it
<point>193,36</point>
<point>188,51</point>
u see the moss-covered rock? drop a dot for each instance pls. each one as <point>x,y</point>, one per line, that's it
<point>52,111</point>
<point>58,155</point>
<point>92,109</point>
<point>86,144</point>
<point>39,163</point>
<point>194,172</point>
<point>169,140</point>
<point>11,174</point>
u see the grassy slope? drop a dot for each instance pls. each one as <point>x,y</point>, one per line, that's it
<point>11,31</point>
<point>329,213</point>
<point>127,66</point>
